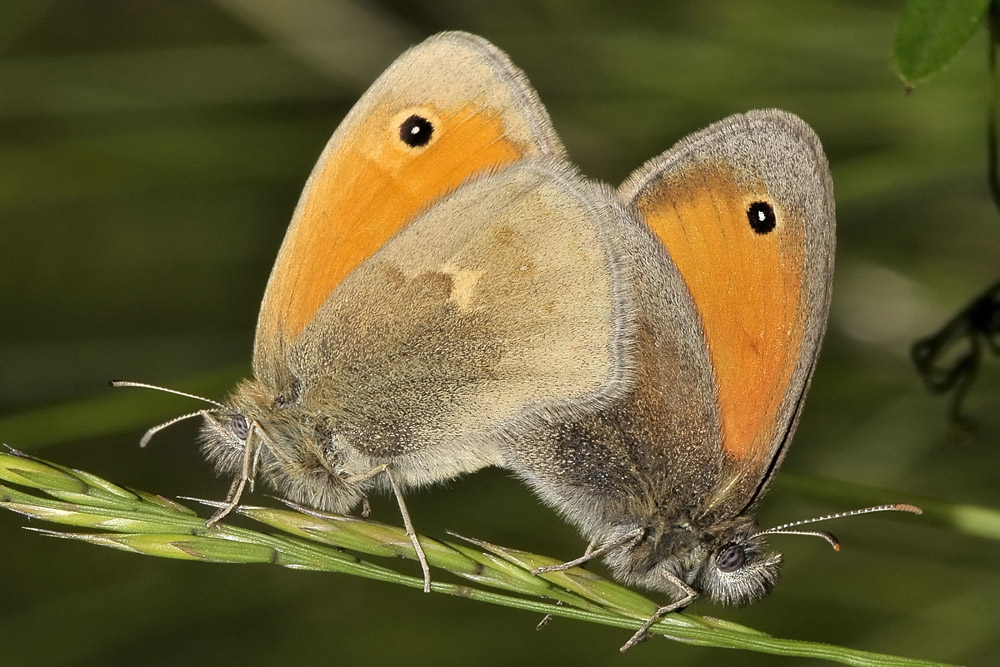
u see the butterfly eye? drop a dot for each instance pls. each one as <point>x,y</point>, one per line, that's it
<point>416,131</point>
<point>240,427</point>
<point>731,558</point>
<point>761,217</point>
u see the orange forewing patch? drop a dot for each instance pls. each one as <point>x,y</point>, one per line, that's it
<point>365,192</point>
<point>748,289</point>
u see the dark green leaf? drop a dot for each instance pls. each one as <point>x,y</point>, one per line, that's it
<point>931,32</point>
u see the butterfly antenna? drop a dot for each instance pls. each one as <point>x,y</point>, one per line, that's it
<point>785,529</point>
<point>143,385</point>
<point>147,436</point>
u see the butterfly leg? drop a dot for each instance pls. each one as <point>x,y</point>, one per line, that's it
<point>366,507</point>
<point>548,617</point>
<point>251,458</point>
<point>559,603</point>
<point>408,525</point>
<point>689,596</point>
<point>361,477</point>
<point>591,553</point>
<point>232,500</point>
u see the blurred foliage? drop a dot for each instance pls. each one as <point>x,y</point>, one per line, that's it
<point>150,157</point>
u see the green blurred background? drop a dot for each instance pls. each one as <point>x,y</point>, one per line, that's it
<point>150,157</point>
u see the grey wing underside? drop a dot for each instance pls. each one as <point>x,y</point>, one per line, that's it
<point>497,307</point>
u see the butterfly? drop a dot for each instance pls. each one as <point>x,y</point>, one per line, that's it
<point>452,294</point>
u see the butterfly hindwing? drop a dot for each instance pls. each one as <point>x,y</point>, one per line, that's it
<point>745,210</point>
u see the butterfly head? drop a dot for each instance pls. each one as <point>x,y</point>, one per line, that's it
<point>730,564</point>
<point>736,568</point>
<point>256,434</point>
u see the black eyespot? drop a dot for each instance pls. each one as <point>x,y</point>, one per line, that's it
<point>240,427</point>
<point>731,558</point>
<point>761,217</point>
<point>280,401</point>
<point>416,131</point>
